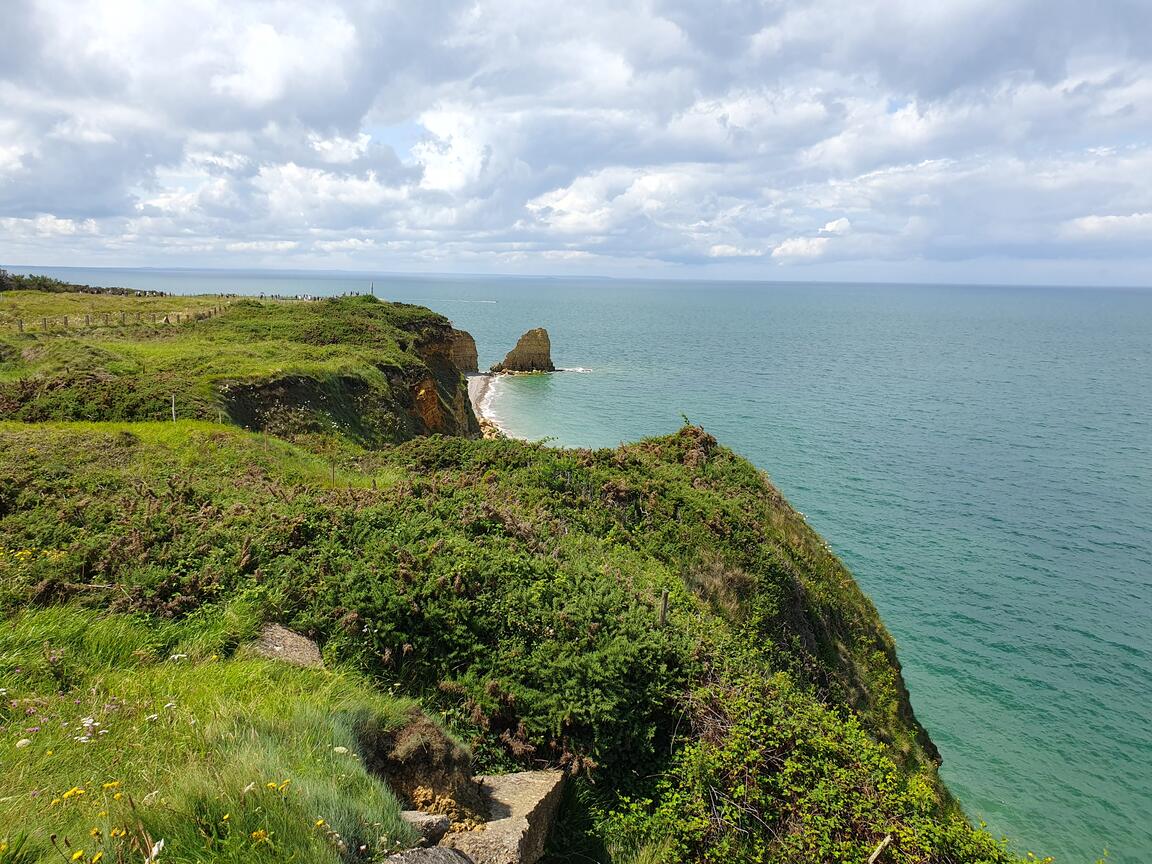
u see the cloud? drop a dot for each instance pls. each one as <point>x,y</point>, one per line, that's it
<point>665,136</point>
<point>801,248</point>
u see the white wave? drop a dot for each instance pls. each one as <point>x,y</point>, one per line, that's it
<point>575,369</point>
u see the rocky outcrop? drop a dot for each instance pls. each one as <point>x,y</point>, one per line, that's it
<point>462,352</point>
<point>533,353</point>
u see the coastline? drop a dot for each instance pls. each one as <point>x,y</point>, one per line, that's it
<point>480,393</point>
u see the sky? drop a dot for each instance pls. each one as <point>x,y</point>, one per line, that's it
<point>939,140</point>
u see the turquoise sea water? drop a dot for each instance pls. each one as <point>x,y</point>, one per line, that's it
<point>980,457</point>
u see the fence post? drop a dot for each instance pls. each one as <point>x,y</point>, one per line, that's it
<point>173,407</point>
<point>19,325</point>
<point>123,316</point>
<point>44,324</point>
<point>153,317</point>
<point>87,320</point>
<point>177,317</point>
<point>65,322</point>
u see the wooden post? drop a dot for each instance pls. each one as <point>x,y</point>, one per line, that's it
<point>663,607</point>
<point>177,317</point>
<point>87,320</point>
<point>153,317</point>
<point>65,322</point>
<point>883,845</point>
<point>123,317</point>
<point>19,325</point>
<point>173,407</point>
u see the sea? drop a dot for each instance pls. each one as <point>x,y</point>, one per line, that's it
<point>979,456</point>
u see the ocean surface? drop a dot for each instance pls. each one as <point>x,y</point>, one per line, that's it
<point>981,457</point>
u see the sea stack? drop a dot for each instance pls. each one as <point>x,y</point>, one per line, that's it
<point>533,353</point>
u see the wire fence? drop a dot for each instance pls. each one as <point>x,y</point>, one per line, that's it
<point>123,318</point>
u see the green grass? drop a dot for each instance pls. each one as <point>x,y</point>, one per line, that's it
<point>120,731</point>
<point>33,306</point>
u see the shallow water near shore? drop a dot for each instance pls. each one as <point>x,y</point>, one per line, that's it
<point>980,457</point>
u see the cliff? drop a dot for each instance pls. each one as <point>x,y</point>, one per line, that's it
<point>533,353</point>
<point>374,372</point>
<point>654,619</point>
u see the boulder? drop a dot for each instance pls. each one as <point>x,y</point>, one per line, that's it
<point>462,352</point>
<point>533,353</point>
<point>432,826</point>
<point>435,855</point>
<point>280,643</point>
<point>521,809</point>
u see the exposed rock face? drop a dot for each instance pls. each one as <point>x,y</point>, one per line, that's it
<point>533,353</point>
<point>463,352</point>
<point>522,808</point>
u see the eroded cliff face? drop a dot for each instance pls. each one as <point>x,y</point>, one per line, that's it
<point>533,353</point>
<point>440,400</point>
<point>463,352</point>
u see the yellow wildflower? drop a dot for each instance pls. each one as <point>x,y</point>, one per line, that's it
<point>270,785</point>
<point>227,816</point>
<point>114,784</point>
<point>260,835</point>
<point>96,858</point>
<point>94,833</point>
<point>117,796</point>
<point>284,786</point>
<point>319,823</point>
<point>78,854</point>
<point>55,801</point>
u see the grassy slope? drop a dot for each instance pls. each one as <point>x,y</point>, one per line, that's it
<point>513,587</point>
<point>341,365</point>
<point>119,731</point>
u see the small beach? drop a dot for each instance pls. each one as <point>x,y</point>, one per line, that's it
<point>480,393</point>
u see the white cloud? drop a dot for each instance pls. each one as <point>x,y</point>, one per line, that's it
<point>801,248</point>
<point>638,135</point>
<point>1132,225</point>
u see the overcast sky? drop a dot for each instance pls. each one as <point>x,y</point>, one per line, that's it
<point>946,140</point>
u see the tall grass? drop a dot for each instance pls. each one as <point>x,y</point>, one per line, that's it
<point>118,733</point>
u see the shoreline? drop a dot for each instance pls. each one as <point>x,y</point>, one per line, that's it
<point>480,394</point>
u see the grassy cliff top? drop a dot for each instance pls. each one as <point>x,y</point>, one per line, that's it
<point>347,364</point>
